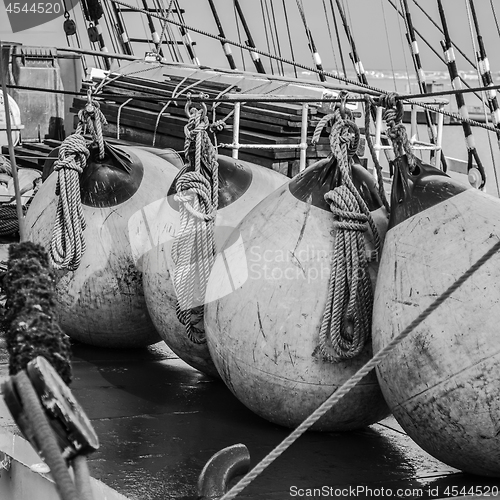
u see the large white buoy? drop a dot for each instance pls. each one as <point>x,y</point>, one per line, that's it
<point>102,301</point>
<point>266,299</point>
<point>242,185</point>
<point>442,381</point>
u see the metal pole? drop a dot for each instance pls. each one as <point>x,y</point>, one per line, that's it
<point>19,206</point>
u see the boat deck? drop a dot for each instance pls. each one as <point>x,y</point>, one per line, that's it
<point>159,421</point>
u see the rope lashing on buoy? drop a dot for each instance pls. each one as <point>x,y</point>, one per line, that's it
<point>346,322</point>
<point>194,247</point>
<point>369,105</point>
<point>396,131</point>
<point>67,245</point>
<point>354,380</point>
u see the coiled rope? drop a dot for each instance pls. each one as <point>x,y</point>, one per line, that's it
<point>194,247</point>
<point>346,322</point>
<point>67,245</point>
<point>355,379</point>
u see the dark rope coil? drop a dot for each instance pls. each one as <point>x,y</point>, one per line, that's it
<point>30,320</point>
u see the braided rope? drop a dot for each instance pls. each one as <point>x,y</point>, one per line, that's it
<point>194,247</point>
<point>393,116</point>
<point>346,320</point>
<point>369,105</point>
<point>355,379</point>
<point>9,223</point>
<point>68,244</point>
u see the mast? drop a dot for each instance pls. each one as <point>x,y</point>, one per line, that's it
<point>225,46</point>
<point>250,43</point>
<point>457,85</point>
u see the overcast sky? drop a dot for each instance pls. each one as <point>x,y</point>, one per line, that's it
<point>375,25</point>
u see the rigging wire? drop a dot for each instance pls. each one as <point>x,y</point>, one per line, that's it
<point>337,33</point>
<point>330,37</point>
<point>482,62</point>
<point>388,44</point>
<point>242,51</point>
<point>278,45</point>
<point>463,54</point>
<point>266,34</point>
<point>292,55</point>
<point>462,108</point>
<point>495,17</point>
<point>312,46</point>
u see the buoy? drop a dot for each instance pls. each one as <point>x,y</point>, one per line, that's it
<point>15,120</point>
<point>242,185</point>
<point>441,382</point>
<point>266,299</point>
<point>102,301</point>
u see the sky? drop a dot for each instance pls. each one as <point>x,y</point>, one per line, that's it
<point>376,28</point>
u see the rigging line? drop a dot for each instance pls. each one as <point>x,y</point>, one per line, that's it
<point>278,44</point>
<point>152,29</point>
<point>121,29</point>
<point>266,34</point>
<point>258,51</point>
<point>463,54</point>
<point>429,45</point>
<point>483,74</point>
<point>462,108</point>
<point>330,37</point>
<point>289,38</point>
<point>495,17</point>
<point>403,44</point>
<point>254,54</point>
<point>186,37</point>
<point>225,46</point>
<point>272,34</point>
<point>388,44</point>
<point>312,46</point>
<point>242,51</point>
<point>97,61</point>
<point>109,28</point>
<point>337,33</point>
<point>412,41</point>
<point>165,28</point>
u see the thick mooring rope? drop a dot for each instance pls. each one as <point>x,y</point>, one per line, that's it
<point>355,379</point>
<point>347,317</point>
<point>194,247</point>
<point>67,245</point>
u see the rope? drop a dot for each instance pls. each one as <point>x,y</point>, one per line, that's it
<point>68,243</point>
<point>369,105</point>
<point>194,247</point>
<point>346,320</point>
<point>396,131</point>
<point>355,379</point>
<point>45,437</point>
<point>9,223</point>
